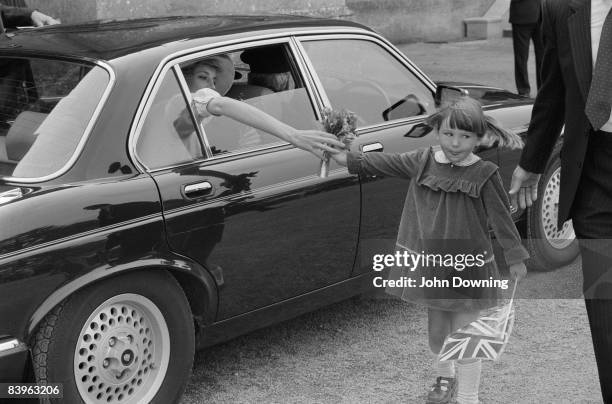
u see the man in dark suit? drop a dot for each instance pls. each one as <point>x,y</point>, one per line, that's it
<point>525,20</point>
<point>577,91</point>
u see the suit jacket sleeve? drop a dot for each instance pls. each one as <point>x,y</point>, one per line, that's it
<point>15,16</point>
<point>548,113</point>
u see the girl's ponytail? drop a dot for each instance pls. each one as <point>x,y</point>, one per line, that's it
<point>466,113</point>
<point>504,138</point>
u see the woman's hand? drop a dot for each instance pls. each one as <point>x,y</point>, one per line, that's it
<point>315,142</point>
<point>518,271</point>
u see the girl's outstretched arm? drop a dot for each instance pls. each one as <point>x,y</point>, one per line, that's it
<point>403,165</point>
<point>313,141</point>
<point>391,164</point>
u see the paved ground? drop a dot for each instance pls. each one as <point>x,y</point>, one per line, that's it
<point>482,62</point>
<point>375,351</point>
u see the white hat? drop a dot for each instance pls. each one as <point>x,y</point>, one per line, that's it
<point>225,71</point>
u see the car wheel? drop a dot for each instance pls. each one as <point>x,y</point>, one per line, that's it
<point>548,247</point>
<point>125,340</point>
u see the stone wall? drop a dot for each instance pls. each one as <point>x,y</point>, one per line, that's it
<point>398,20</point>
<point>417,20</point>
<point>150,8</point>
<point>70,11</point>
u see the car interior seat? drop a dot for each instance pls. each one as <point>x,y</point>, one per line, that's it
<point>227,135</point>
<point>159,145</point>
<point>21,135</point>
<point>244,91</point>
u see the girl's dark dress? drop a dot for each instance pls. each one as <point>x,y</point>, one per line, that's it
<point>448,212</point>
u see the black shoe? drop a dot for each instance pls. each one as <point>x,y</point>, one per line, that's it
<point>442,391</point>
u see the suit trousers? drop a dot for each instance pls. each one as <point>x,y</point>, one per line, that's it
<point>592,219</point>
<point>522,34</point>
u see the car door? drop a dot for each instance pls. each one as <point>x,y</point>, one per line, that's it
<point>391,98</point>
<point>248,207</point>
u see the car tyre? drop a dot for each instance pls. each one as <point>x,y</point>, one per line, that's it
<point>128,339</point>
<point>548,247</point>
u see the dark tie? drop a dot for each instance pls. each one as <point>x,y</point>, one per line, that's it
<point>600,94</point>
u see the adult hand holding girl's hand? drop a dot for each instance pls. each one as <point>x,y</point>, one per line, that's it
<point>518,271</point>
<point>523,188</point>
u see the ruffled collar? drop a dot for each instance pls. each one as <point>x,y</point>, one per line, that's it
<point>441,158</point>
<point>469,181</point>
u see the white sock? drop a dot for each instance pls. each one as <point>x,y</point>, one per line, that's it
<point>468,375</point>
<point>444,369</point>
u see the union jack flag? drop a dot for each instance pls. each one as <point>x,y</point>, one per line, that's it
<point>485,338</point>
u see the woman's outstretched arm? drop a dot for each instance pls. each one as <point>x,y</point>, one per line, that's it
<point>313,141</point>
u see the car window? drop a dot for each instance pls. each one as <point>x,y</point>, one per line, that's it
<point>264,77</point>
<point>45,109</point>
<point>168,136</point>
<point>363,77</point>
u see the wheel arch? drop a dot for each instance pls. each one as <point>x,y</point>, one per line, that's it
<point>196,282</point>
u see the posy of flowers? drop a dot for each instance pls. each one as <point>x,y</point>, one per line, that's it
<point>342,124</point>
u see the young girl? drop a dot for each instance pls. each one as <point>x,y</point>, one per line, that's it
<point>453,199</point>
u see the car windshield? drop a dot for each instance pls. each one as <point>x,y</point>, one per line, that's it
<point>45,109</point>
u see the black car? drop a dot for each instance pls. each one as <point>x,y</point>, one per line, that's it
<point>122,248</point>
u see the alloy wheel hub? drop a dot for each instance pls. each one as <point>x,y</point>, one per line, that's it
<point>550,212</point>
<point>120,352</point>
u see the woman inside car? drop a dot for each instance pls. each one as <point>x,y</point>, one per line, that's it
<point>209,80</point>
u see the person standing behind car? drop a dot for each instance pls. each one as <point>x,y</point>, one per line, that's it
<point>525,20</point>
<point>576,93</point>
<point>13,17</point>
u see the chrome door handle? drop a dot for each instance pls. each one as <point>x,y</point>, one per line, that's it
<point>372,147</point>
<point>197,190</point>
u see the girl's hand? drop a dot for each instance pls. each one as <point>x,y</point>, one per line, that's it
<point>518,271</point>
<point>339,156</point>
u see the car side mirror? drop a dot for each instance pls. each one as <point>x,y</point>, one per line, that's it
<point>404,108</point>
<point>419,130</point>
<point>446,94</point>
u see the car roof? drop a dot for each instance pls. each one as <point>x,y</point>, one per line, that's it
<point>107,40</point>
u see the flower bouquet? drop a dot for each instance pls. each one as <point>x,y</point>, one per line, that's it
<point>341,123</point>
